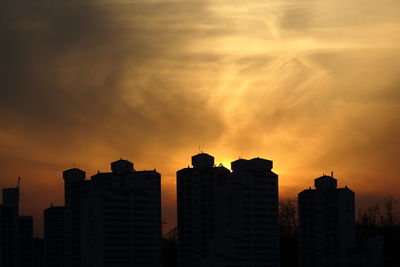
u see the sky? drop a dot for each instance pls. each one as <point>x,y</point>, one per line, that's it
<point>313,85</point>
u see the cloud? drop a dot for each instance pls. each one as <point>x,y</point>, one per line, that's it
<point>93,67</point>
<point>310,15</point>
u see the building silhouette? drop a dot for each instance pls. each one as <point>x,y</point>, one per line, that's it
<point>228,218</point>
<point>113,219</point>
<point>38,252</point>
<point>326,224</point>
<point>74,189</point>
<point>26,241</point>
<point>16,232</point>
<point>197,194</point>
<point>54,236</point>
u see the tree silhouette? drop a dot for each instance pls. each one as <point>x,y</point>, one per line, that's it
<point>391,219</point>
<point>170,249</point>
<point>288,231</point>
<point>288,217</point>
<point>375,221</point>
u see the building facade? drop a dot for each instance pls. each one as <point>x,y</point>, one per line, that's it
<point>118,217</point>
<point>9,229</point>
<point>54,236</point>
<point>75,187</point>
<point>197,194</point>
<point>326,224</point>
<point>16,232</point>
<point>228,218</point>
<point>26,241</point>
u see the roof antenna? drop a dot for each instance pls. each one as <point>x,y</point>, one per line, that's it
<point>332,174</point>
<point>18,182</point>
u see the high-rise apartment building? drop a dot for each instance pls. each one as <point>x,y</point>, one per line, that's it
<point>115,216</point>
<point>326,224</point>
<point>228,218</point>
<point>197,194</point>
<point>54,236</point>
<point>16,232</point>
<point>75,187</point>
<point>9,229</point>
<point>26,241</point>
<point>38,252</point>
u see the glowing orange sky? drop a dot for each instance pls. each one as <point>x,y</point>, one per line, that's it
<point>312,85</point>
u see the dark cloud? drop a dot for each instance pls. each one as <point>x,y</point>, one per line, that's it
<point>72,65</point>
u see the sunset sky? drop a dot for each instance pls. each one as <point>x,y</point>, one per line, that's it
<point>313,85</point>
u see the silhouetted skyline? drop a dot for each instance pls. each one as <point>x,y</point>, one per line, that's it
<point>225,218</point>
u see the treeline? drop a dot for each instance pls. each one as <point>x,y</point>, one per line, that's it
<point>381,222</point>
<point>376,217</point>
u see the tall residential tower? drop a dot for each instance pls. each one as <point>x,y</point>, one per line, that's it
<point>326,224</point>
<point>113,219</point>
<point>228,218</point>
<point>197,193</point>
<point>54,236</point>
<point>16,232</point>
